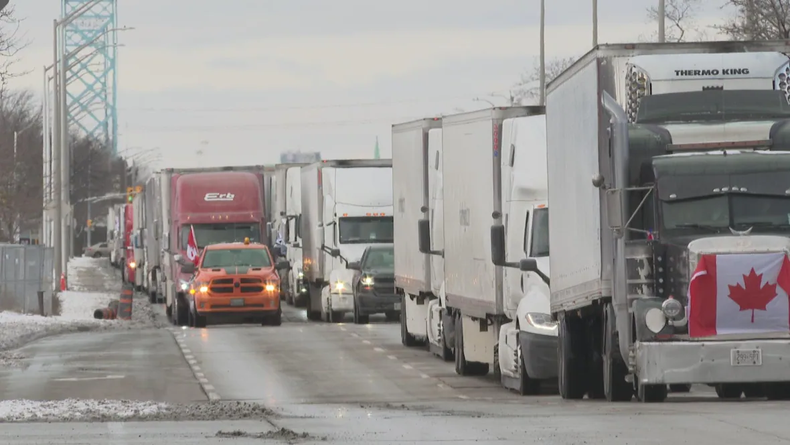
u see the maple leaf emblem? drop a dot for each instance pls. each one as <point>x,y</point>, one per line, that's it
<point>753,296</point>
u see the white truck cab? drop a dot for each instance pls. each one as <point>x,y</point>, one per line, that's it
<point>347,206</point>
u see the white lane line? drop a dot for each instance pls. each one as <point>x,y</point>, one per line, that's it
<point>354,334</point>
<point>463,397</point>
<point>425,376</point>
<point>208,389</point>
<point>392,357</point>
<point>441,385</point>
<point>343,329</point>
<point>367,342</point>
<point>407,366</point>
<point>378,349</point>
<point>86,379</point>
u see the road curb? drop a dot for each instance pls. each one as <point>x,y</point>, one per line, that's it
<point>207,388</point>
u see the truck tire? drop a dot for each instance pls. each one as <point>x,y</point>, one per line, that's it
<point>652,393</point>
<point>311,314</point>
<point>180,311</point>
<point>462,367</point>
<point>274,320</point>
<point>571,359</point>
<point>447,351</point>
<point>680,387</point>
<point>526,386</point>
<point>360,319</point>
<point>405,338</point>
<point>777,391</point>
<point>615,388</point>
<point>729,391</point>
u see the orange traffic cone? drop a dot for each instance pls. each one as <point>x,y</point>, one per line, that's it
<point>62,282</point>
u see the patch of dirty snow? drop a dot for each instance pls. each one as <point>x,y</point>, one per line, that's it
<point>92,275</point>
<point>18,329</point>
<point>78,305</point>
<point>89,410</point>
<point>12,359</point>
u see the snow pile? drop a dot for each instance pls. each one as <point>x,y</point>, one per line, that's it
<point>126,410</point>
<point>18,329</point>
<point>80,305</point>
<point>75,409</point>
<point>92,275</point>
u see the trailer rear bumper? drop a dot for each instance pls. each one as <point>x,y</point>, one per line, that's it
<point>713,361</point>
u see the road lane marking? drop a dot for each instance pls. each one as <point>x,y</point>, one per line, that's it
<point>392,357</point>
<point>367,342</point>
<point>425,376</point>
<point>407,366</point>
<point>463,397</point>
<point>378,349</point>
<point>86,379</point>
<point>207,388</point>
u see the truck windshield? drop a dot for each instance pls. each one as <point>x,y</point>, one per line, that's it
<point>713,105</point>
<point>718,213</point>
<point>221,258</point>
<point>540,233</point>
<point>380,259</point>
<point>366,229</point>
<point>206,234</point>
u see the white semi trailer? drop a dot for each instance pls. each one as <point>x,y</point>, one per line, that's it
<point>688,175</point>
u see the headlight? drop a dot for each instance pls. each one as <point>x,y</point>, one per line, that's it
<point>655,320</point>
<point>204,289</point>
<point>672,308</point>
<point>301,275</point>
<point>367,281</point>
<point>270,288</point>
<point>541,321</point>
<point>132,264</point>
<point>184,285</point>
<point>339,285</point>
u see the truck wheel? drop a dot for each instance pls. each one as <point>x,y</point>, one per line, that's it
<point>406,338</point>
<point>311,314</point>
<point>652,393</point>
<point>571,379</point>
<point>753,391</point>
<point>392,315</point>
<point>615,388</point>
<point>97,255</point>
<point>680,387</point>
<point>462,367</point>
<point>729,391</point>
<point>336,316</point>
<point>360,319</point>
<point>180,311</point>
<point>200,320</point>
<point>447,352</point>
<point>527,386</point>
<point>274,320</point>
<point>777,391</point>
<point>152,297</point>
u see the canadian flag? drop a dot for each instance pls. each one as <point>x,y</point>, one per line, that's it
<point>739,294</point>
<point>192,247</point>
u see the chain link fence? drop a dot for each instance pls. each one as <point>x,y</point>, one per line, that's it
<point>24,272</point>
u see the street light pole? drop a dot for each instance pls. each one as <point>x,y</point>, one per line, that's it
<point>661,18</point>
<point>57,235</point>
<point>595,23</point>
<point>542,52</point>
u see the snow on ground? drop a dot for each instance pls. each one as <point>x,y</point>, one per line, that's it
<point>89,410</point>
<point>92,285</point>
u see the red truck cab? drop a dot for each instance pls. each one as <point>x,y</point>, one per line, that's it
<point>128,223</point>
<point>222,207</point>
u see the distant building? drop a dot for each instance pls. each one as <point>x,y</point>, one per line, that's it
<point>297,157</point>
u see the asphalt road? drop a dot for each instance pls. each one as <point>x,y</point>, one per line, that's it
<point>343,383</point>
<point>132,365</point>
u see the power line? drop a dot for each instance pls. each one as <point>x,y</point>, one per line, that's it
<point>254,127</point>
<point>303,107</point>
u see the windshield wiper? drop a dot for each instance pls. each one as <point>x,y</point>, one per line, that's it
<point>699,226</point>
<point>764,224</point>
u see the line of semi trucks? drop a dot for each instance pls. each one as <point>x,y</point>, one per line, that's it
<point>651,157</point>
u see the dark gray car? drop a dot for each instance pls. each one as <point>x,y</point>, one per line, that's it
<point>374,284</point>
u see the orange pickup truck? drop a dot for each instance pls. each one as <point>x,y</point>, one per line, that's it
<point>235,282</point>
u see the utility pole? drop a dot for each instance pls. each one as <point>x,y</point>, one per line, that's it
<point>542,52</point>
<point>57,232</point>
<point>595,23</point>
<point>662,15</point>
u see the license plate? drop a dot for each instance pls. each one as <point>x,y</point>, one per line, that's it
<point>237,301</point>
<point>396,306</point>
<point>746,357</point>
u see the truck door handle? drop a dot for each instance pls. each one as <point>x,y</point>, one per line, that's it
<point>522,282</point>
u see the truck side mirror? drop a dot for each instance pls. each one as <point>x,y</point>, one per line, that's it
<point>528,265</point>
<point>354,266</point>
<point>424,235</point>
<point>188,268</point>
<point>498,245</point>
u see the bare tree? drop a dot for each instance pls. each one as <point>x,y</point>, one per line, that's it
<point>680,21</point>
<point>528,88</point>
<point>21,172</point>
<point>12,41</point>
<point>758,20</point>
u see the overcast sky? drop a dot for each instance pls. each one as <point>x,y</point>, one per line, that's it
<point>243,80</point>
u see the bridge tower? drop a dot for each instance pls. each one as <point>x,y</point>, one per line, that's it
<point>91,93</point>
